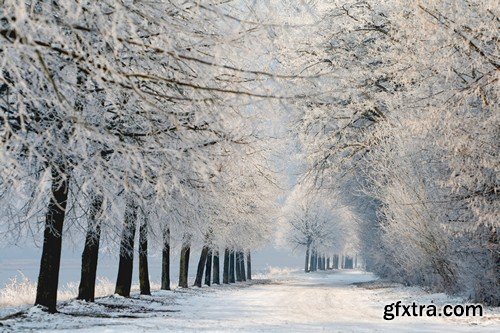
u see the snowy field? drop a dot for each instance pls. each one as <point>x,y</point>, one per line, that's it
<point>281,301</point>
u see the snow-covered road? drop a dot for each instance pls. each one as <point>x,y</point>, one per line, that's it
<point>311,303</point>
<point>293,302</point>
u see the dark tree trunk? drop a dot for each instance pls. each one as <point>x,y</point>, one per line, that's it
<point>216,268</point>
<point>307,269</point>
<point>124,279</point>
<point>184,264</point>
<point>328,263</point>
<point>315,261</point>
<point>86,289</point>
<point>238,266</point>
<point>201,266</point>
<point>165,261</point>
<point>143,258</point>
<point>208,268</point>
<point>311,265</point>
<point>242,264</point>
<point>349,261</point>
<point>48,279</point>
<point>225,274</point>
<point>231,267</point>
<point>249,265</point>
<point>335,264</point>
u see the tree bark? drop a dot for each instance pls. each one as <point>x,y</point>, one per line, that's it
<point>311,265</point>
<point>201,266</point>
<point>238,266</point>
<point>124,278</point>
<point>349,262</point>
<point>335,264</point>
<point>249,265</point>
<point>328,263</point>
<point>208,268</point>
<point>216,268</point>
<point>231,267</point>
<point>225,274</point>
<point>165,261</point>
<point>242,266</point>
<point>184,263</point>
<point>86,289</point>
<point>143,258</point>
<point>48,278</point>
<point>315,260</point>
<point>307,268</point>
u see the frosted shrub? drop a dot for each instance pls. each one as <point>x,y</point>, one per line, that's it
<point>19,291</point>
<point>104,287</point>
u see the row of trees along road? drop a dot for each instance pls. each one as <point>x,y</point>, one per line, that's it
<point>409,136</point>
<point>158,118</point>
<point>125,118</point>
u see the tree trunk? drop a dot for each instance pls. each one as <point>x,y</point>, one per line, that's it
<point>48,279</point>
<point>86,289</point>
<point>216,268</point>
<point>231,267</point>
<point>249,265</point>
<point>165,261</point>
<point>143,258</point>
<point>314,261</point>
<point>201,266</point>
<point>242,268</point>
<point>225,274</point>
<point>184,263</point>
<point>306,265</point>
<point>124,278</point>
<point>349,262</point>
<point>328,263</point>
<point>208,268</point>
<point>238,266</point>
<point>335,261</point>
<point>311,265</point>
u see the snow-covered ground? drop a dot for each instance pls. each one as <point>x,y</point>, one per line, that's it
<point>282,301</point>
